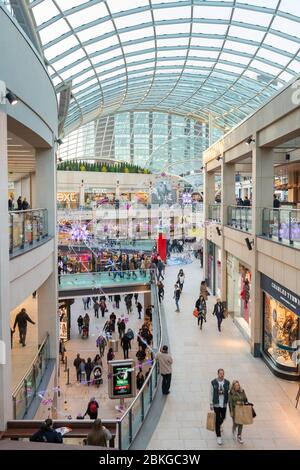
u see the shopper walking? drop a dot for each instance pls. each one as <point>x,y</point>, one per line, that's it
<point>180,279</point>
<point>117,299</point>
<point>113,318</point>
<point>126,345</point>
<point>165,361</point>
<point>161,291</point>
<point>103,307</point>
<point>176,296</point>
<point>110,355</point>
<point>140,379</point>
<point>76,364</point>
<point>201,307</point>
<point>204,290</point>
<point>85,303</point>
<point>237,396</point>
<point>219,395</point>
<point>219,312</point>
<point>96,309</point>
<point>21,320</point>
<point>89,366</point>
<point>139,308</point>
<point>101,344</point>
<point>128,303</point>
<point>92,409</point>
<point>121,327</point>
<point>160,269</point>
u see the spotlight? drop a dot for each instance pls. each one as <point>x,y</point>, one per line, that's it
<point>249,243</point>
<point>202,168</point>
<point>250,140</point>
<point>11,98</point>
<point>219,158</point>
<point>60,159</point>
<point>59,141</point>
<point>287,156</point>
<point>219,232</point>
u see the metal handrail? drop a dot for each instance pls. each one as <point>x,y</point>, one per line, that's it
<point>19,386</point>
<point>21,211</point>
<point>150,375</point>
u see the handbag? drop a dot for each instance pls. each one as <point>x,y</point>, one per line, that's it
<point>243,414</point>
<point>211,421</point>
<point>195,312</point>
<point>253,411</point>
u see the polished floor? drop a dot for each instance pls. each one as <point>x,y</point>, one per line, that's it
<point>197,356</point>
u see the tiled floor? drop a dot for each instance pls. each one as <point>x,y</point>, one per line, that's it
<point>74,397</point>
<point>197,355</point>
<point>22,357</point>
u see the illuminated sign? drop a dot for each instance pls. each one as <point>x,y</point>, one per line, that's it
<point>67,197</point>
<point>122,379</point>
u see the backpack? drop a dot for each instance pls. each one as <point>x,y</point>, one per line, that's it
<point>130,334</point>
<point>93,407</point>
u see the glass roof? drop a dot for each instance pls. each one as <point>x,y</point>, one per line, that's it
<point>187,57</point>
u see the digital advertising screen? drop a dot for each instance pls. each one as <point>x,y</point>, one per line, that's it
<point>122,379</point>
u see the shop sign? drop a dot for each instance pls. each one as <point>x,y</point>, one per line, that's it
<point>67,197</point>
<point>283,295</point>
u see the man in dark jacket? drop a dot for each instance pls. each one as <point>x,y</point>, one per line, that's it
<point>47,434</point>
<point>21,320</point>
<point>219,312</point>
<point>117,299</point>
<point>126,345</point>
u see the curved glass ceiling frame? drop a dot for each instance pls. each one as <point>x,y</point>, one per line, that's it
<point>186,57</point>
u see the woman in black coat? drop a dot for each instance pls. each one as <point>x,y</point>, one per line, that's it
<point>219,312</point>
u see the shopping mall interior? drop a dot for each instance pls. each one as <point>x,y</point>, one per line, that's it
<point>150,266</point>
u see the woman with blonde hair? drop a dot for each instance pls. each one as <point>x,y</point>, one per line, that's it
<point>237,396</point>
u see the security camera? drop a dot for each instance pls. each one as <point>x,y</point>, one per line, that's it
<point>249,243</point>
<point>287,156</point>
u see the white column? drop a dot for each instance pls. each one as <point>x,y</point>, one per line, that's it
<point>262,196</point>
<point>209,198</point>
<point>227,199</point>
<point>5,347</point>
<point>47,293</point>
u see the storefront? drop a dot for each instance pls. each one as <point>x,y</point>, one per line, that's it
<point>64,316</point>
<point>281,336</point>
<point>238,293</point>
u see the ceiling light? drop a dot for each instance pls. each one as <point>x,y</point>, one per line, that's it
<point>59,141</point>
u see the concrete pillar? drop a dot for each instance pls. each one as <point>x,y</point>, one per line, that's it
<point>47,293</point>
<point>47,314</point>
<point>209,199</point>
<point>227,199</point>
<point>262,196</point>
<point>227,189</point>
<point>5,344</point>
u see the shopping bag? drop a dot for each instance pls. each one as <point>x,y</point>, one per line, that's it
<point>243,414</point>
<point>196,313</point>
<point>211,421</point>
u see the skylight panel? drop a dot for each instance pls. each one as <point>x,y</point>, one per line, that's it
<point>69,59</point>
<point>207,28</point>
<point>290,6</point>
<point>252,17</point>
<point>281,43</point>
<point>67,4</point>
<point>207,42</point>
<point>87,15</point>
<point>172,13</point>
<point>268,69</point>
<point>54,31</point>
<point>133,20</point>
<point>171,28</point>
<point>289,27</point>
<point>61,47</point>
<point>236,46</point>
<point>96,31</point>
<point>273,56</point>
<point>101,45</point>
<point>44,11</point>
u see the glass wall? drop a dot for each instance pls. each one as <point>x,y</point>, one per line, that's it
<point>238,293</point>
<point>281,329</point>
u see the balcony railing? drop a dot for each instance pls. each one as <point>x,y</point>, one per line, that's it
<point>214,213</point>
<point>26,391</point>
<point>134,417</point>
<point>240,217</point>
<point>26,228</point>
<point>282,225</point>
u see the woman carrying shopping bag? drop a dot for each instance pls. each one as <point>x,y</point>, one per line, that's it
<point>237,398</point>
<point>201,307</point>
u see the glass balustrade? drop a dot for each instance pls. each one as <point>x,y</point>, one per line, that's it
<point>28,387</point>
<point>240,217</point>
<point>282,225</point>
<point>135,415</point>
<point>104,278</point>
<point>26,228</point>
<point>214,212</point>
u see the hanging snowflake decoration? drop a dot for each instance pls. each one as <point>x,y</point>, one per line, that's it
<point>186,198</point>
<point>79,232</point>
